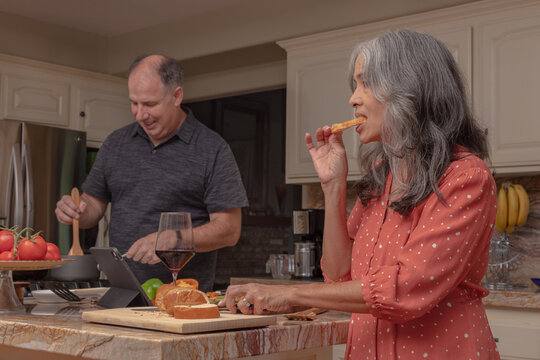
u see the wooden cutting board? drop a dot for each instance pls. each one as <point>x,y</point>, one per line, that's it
<point>153,319</point>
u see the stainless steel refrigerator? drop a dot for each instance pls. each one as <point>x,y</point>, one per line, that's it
<point>39,164</point>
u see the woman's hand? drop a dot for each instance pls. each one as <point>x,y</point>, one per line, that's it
<point>329,157</point>
<point>257,299</point>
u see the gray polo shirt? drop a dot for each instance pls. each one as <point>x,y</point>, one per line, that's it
<point>193,171</point>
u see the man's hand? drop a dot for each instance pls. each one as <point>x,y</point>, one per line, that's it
<point>143,250</point>
<point>89,211</point>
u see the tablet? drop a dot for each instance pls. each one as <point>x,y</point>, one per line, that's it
<point>125,290</point>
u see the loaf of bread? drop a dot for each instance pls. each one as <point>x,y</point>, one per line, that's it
<point>201,311</point>
<point>160,295</point>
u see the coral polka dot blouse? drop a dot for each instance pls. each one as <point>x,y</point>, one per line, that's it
<point>422,272</point>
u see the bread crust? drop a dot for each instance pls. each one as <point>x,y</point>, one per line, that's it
<point>202,311</point>
<point>347,124</point>
<point>183,296</point>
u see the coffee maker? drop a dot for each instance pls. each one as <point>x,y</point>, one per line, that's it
<point>308,225</point>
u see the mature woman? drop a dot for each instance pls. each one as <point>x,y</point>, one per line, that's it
<point>409,261</point>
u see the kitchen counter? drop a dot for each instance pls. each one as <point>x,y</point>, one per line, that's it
<point>65,335</point>
<point>527,298</point>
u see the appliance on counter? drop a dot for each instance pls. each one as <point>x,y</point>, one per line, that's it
<point>39,164</point>
<point>308,225</point>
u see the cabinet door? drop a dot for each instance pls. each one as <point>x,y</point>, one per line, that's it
<point>317,95</point>
<point>101,110</point>
<point>35,97</point>
<point>516,332</point>
<point>507,85</point>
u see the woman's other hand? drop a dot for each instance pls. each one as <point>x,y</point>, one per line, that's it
<point>257,299</point>
<point>329,157</point>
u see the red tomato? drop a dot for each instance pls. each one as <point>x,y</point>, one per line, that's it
<point>7,255</point>
<point>34,248</point>
<point>6,240</point>
<point>53,252</point>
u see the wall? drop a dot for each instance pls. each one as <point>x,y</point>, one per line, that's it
<point>242,25</point>
<point>524,253</point>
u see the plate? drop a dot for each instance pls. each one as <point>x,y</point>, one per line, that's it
<point>47,296</point>
<point>16,265</point>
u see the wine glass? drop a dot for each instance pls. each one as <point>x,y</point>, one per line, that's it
<point>174,243</point>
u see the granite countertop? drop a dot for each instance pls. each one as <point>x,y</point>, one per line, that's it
<point>526,298</point>
<point>66,333</point>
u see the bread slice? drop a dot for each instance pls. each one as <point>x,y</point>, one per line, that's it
<point>201,311</point>
<point>347,124</point>
<point>183,296</point>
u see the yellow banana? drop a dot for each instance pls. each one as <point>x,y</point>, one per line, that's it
<point>513,208</point>
<point>501,220</point>
<point>524,204</point>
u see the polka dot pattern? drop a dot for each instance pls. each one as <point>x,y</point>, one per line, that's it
<point>422,273</point>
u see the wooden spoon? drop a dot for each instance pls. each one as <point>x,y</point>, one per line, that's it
<point>76,246</point>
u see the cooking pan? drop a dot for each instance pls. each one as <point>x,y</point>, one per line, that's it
<point>84,268</point>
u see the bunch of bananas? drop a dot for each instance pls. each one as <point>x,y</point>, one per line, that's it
<point>512,207</point>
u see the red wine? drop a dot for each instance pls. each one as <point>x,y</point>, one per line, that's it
<point>175,259</point>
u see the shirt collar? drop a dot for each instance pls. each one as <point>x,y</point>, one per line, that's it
<point>184,133</point>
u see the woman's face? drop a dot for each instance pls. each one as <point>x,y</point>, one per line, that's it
<point>365,104</point>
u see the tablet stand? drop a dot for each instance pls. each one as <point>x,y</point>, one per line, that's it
<point>117,297</point>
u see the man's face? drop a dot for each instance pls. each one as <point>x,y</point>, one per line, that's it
<point>154,106</point>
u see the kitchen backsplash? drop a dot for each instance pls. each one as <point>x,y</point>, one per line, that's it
<point>525,241</point>
<point>248,257</point>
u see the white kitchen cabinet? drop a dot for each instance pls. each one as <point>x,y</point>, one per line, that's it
<point>100,108</point>
<point>34,95</point>
<point>60,96</point>
<point>507,87</point>
<point>517,332</point>
<point>497,46</point>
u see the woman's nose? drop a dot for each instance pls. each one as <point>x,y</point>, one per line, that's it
<point>355,100</point>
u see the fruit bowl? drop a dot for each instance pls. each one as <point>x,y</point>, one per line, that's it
<point>536,281</point>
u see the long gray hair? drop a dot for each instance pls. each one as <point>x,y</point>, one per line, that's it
<point>427,115</point>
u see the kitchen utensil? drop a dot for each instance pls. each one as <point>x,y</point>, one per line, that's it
<point>60,290</point>
<point>304,258</point>
<point>152,318</point>
<point>81,268</point>
<point>280,265</point>
<point>76,246</point>
<point>48,297</point>
<point>309,314</point>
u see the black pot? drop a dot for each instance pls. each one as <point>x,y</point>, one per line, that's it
<point>84,268</point>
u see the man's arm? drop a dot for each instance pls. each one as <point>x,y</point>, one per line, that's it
<point>222,230</point>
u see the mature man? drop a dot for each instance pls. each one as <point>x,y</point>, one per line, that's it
<point>165,161</point>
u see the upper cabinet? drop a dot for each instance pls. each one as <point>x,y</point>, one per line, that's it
<point>64,97</point>
<point>507,87</point>
<point>100,107</point>
<point>497,46</point>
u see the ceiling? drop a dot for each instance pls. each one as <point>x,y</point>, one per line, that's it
<point>112,17</point>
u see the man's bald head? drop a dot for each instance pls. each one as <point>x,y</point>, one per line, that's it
<point>169,70</point>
